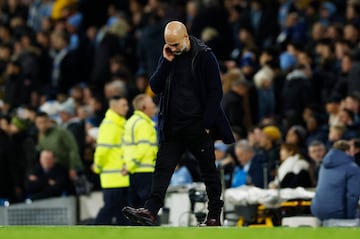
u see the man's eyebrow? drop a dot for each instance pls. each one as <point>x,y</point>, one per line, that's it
<point>175,44</point>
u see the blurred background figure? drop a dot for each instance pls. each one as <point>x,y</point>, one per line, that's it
<point>47,179</point>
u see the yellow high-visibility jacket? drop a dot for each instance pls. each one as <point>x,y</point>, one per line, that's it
<point>140,143</point>
<point>108,158</point>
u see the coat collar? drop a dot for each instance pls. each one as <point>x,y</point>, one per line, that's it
<point>113,116</point>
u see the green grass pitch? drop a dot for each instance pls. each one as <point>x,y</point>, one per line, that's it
<point>90,232</point>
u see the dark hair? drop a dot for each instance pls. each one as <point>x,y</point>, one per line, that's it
<point>290,147</point>
<point>316,143</point>
<point>41,114</point>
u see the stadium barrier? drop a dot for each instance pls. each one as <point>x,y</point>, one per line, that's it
<point>54,211</point>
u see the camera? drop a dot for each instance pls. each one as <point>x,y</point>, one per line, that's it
<point>197,196</point>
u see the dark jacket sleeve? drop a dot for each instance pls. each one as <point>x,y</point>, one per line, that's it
<point>158,79</point>
<point>214,93</point>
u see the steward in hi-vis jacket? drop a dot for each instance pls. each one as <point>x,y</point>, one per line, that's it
<point>140,148</point>
<point>108,162</point>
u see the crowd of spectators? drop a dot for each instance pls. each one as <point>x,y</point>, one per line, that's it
<point>290,73</point>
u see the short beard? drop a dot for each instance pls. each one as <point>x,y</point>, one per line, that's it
<point>178,53</point>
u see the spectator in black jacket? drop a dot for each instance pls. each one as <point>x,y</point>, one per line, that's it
<point>47,179</point>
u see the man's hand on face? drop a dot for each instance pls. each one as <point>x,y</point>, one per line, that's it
<point>167,53</point>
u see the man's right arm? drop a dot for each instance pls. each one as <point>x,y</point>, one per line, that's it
<point>158,78</point>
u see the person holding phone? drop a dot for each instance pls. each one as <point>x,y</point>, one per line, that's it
<point>190,118</point>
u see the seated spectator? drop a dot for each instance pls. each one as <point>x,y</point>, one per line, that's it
<point>316,151</point>
<point>293,171</point>
<point>47,179</point>
<point>337,192</point>
<point>250,168</point>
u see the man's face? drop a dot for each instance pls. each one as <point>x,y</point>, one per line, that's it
<point>42,124</point>
<point>149,107</point>
<point>243,156</point>
<point>47,160</point>
<point>122,107</point>
<point>317,152</point>
<point>177,45</point>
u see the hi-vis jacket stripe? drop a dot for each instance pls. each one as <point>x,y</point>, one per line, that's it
<point>140,143</point>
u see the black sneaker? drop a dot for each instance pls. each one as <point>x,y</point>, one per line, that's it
<point>140,216</point>
<point>212,223</point>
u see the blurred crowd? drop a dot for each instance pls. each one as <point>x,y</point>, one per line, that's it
<point>290,71</point>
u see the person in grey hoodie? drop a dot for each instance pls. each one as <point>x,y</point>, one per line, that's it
<point>337,192</point>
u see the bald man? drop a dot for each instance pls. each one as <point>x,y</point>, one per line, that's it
<point>190,118</point>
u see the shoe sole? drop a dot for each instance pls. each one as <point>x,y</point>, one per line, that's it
<point>137,219</point>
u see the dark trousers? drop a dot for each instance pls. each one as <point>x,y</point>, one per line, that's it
<point>114,200</point>
<point>201,145</point>
<point>140,188</point>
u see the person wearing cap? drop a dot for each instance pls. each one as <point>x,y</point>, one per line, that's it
<point>269,142</point>
<point>190,117</point>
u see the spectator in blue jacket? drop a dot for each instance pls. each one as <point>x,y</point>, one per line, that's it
<point>250,169</point>
<point>337,192</point>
